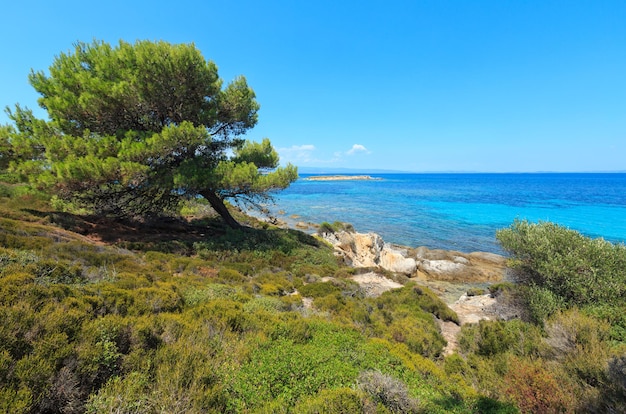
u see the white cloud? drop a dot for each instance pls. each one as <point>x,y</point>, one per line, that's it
<point>297,153</point>
<point>358,148</point>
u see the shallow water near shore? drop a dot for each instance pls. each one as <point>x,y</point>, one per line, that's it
<point>460,211</point>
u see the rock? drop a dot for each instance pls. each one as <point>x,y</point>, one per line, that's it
<point>460,267</point>
<point>395,261</point>
<point>369,250</point>
<point>461,260</point>
<point>442,269</point>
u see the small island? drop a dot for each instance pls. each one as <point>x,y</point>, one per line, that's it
<point>341,178</point>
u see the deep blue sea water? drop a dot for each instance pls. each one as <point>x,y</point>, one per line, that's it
<point>461,211</point>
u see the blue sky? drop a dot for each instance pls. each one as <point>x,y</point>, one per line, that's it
<point>435,85</point>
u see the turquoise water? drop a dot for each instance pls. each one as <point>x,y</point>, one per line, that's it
<point>461,211</point>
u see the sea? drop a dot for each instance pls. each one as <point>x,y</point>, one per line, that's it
<point>460,211</point>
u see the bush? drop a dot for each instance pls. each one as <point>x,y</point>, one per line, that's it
<point>576,270</point>
<point>122,395</point>
<point>498,289</point>
<point>413,298</point>
<point>490,338</point>
<point>301,358</point>
<point>542,303</point>
<point>319,289</point>
<point>388,391</point>
<point>536,390</point>
<point>475,291</point>
<point>265,304</point>
<point>327,228</point>
<point>337,401</point>
<point>419,336</point>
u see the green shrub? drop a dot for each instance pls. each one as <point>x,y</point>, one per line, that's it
<point>542,303</point>
<point>197,295</point>
<point>163,298</point>
<point>127,394</point>
<point>275,284</point>
<point>499,288</point>
<point>475,291</point>
<point>266,304</point>
<point>287,370</point>
<point>319,289</point>
<point>577,270</point>
<point>229,275</point>
<point>5,190</point>
<point>15,401</point>
<point>413,298</point>
<point>490,338</point>
<point>336,401</point>
<point>224,314</point>
<point>325,227</point>
<point>420,336</point>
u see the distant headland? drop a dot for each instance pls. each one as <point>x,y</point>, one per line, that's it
<point>341,177</point>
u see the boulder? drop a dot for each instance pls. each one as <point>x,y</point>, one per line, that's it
<point>442,269</point>
<point>369,250</point>
<point>395,261</point>
<point>455,266</point>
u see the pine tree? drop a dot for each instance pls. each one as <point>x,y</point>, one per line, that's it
<point>134,129</point>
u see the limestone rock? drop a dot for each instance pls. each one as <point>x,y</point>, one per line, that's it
<point>442,268</point>
<point>394,261</point>
<point>460,267</point>
<point>369,250</point>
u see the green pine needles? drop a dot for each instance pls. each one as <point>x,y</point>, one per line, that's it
<point>137,128</point>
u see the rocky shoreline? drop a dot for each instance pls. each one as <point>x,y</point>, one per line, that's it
<point>450,274</point>
<point>459,279</point>
<point>368,250</point>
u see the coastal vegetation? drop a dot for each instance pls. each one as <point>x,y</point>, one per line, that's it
<point>107,315</point>
<point>125,287</point>
<point>166,320</point>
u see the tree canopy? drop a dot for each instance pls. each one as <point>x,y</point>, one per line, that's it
<point>136,128</point>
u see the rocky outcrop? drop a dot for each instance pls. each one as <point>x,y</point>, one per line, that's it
<point>396,261</point>
<point>369,250</point>
<point>454,266</point>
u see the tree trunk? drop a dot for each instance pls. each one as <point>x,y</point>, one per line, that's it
<point>219,206</point>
